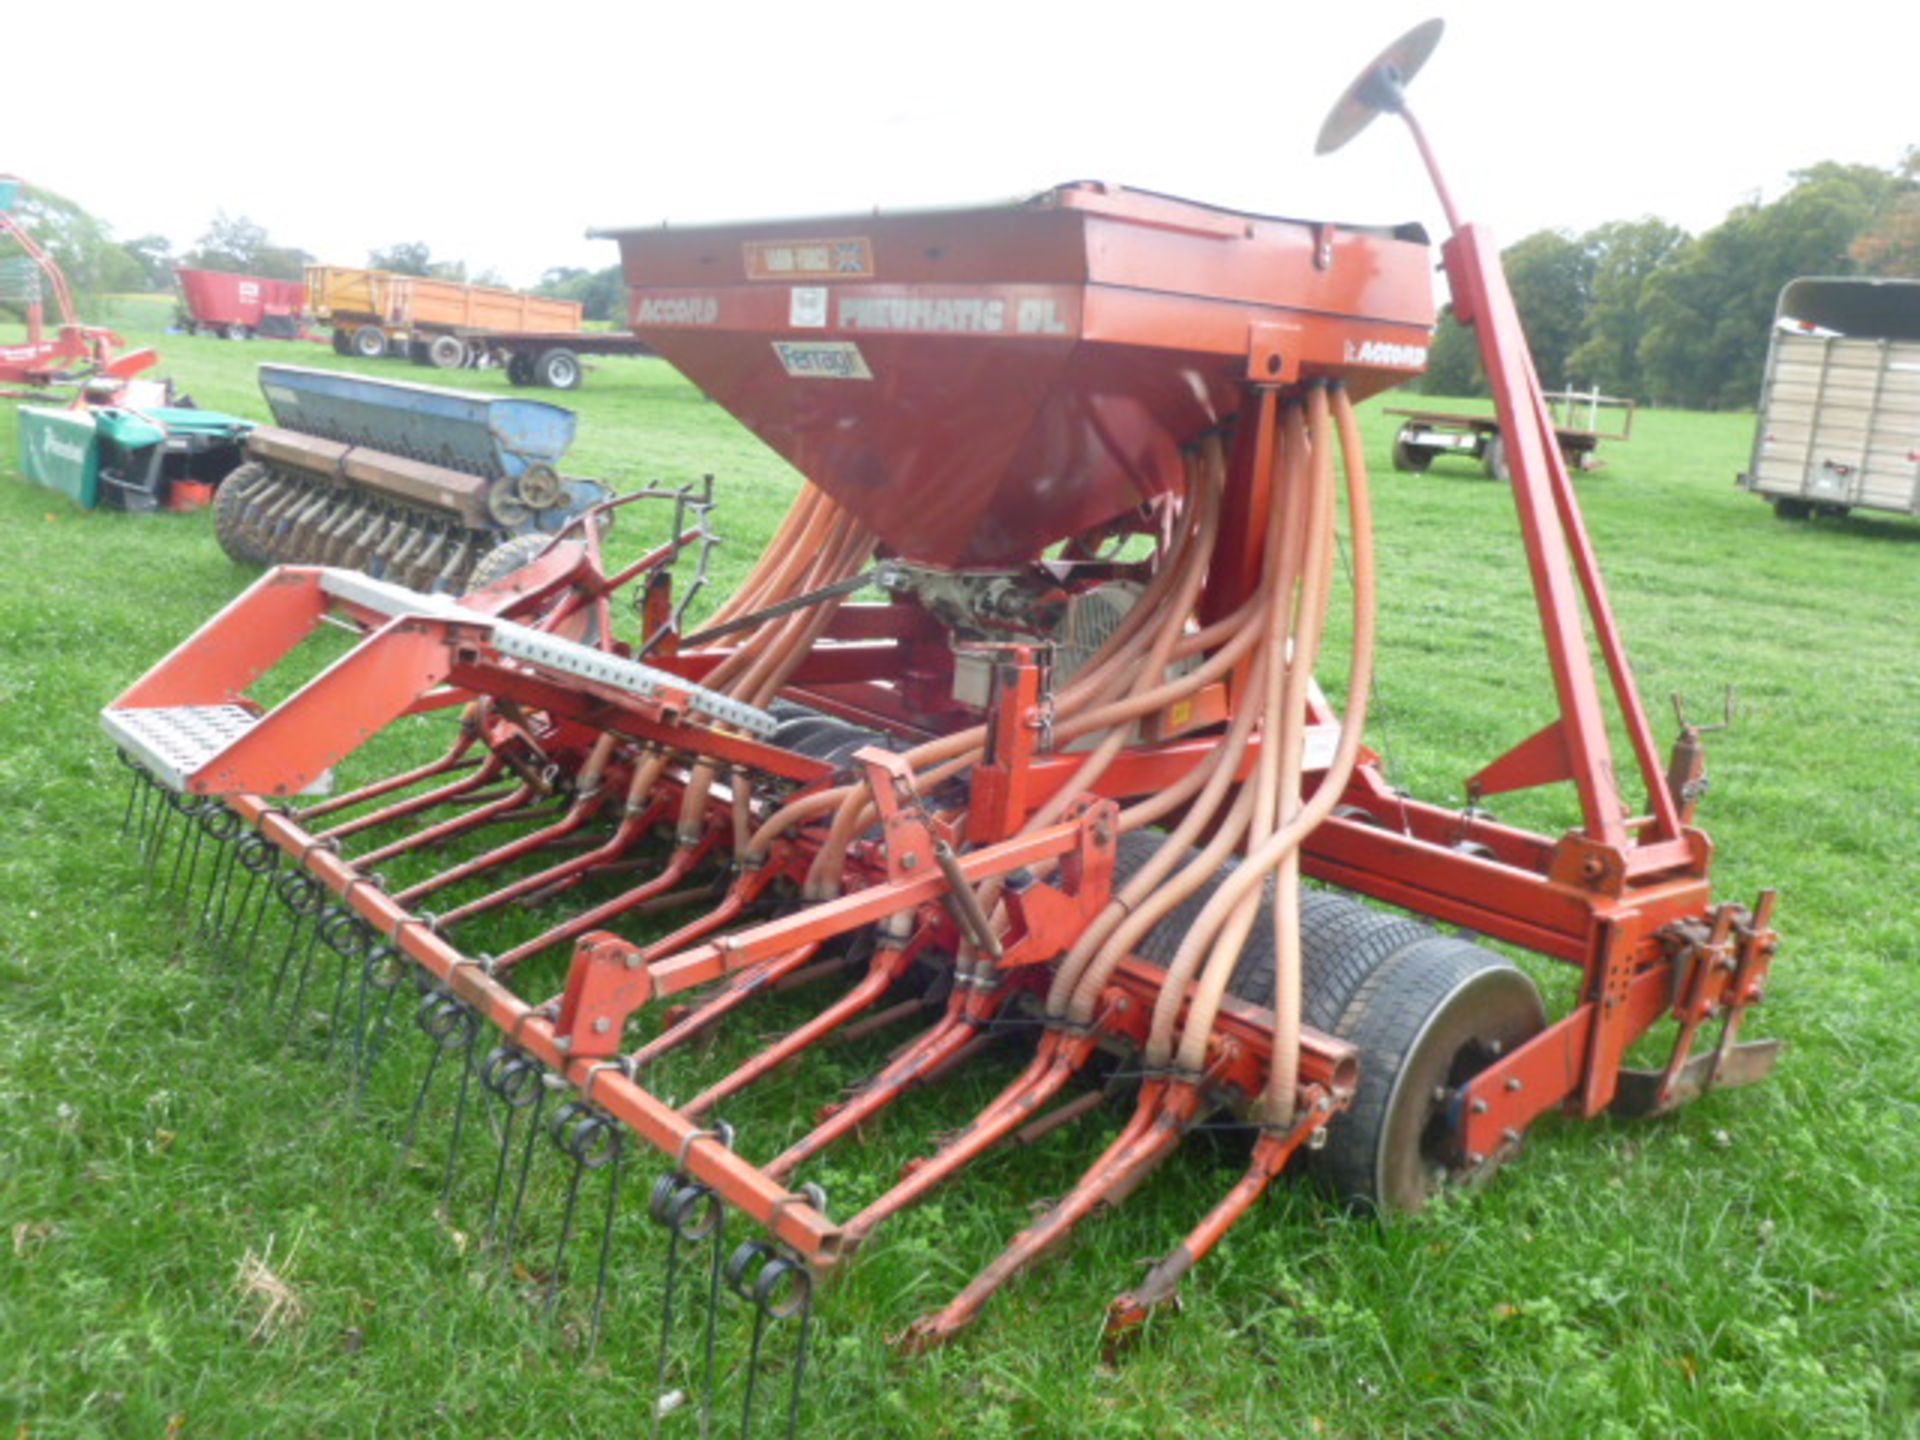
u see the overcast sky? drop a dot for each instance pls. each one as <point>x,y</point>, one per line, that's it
<point>499,133</point>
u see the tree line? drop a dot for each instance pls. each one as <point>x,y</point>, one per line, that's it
<point>1640,308</point>
<point>1637,308</point>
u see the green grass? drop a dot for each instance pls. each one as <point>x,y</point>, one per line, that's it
<point>1744,1268</point>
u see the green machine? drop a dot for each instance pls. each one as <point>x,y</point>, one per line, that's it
<point>128,459</point>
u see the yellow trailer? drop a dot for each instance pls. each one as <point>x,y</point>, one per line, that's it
<point>444,323</point>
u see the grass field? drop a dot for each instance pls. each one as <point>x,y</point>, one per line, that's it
<point>1744,1268</point>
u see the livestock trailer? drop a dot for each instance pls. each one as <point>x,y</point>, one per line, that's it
<point>1839,420</point>
<point>214,302</point>
<point>435,322</point>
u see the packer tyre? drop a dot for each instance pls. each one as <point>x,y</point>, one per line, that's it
<point>1342,942</point>
<point>370,342</point>
<point>229,505</point>
<point>1410,458</point>
<point>342,343</point>
<point>505,558</point>
<point>558,369</point>
<point>1494,457</point>
<point>447,352</point>
<point>1425,1022</point>
<point>520,369</point>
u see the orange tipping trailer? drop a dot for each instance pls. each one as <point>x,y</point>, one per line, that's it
<point>1062,784</point>
<point>443,323</point>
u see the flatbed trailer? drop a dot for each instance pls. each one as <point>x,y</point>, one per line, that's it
<point>1424,434</point>
<point>552,357</point>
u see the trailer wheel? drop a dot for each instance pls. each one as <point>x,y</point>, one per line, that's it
<point>1408,457</point>
<point>1494,457</point>
<point>1787,507</point>
<point>370,342</point>
<point>446,352</point>
<point>1425,1022</point>
<point>229,510</point>
<point>342,343</point>
<point>520,369</point>
<point>237,331</point>
<point>558,368</point>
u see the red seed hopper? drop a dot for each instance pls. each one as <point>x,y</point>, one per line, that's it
<point>1065,805</point>
<point>976,384</point>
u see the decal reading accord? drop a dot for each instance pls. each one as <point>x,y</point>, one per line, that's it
<point>677,310</point>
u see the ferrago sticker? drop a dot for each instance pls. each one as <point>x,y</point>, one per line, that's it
<point>822,359</point>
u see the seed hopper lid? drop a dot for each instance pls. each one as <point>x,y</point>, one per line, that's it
<point>474,433</point>
<point>977,384</point>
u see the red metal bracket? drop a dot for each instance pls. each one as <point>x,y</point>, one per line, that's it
<point>607,982</point>
<point>1022,716</point>
<point>1047,919</point>
<point>1613,980</point>
<point>1540,759</point>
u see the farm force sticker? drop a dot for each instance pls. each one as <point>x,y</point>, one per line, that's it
<point>844,259</point>
<point>822,359</point>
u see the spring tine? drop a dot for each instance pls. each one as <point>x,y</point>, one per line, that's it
<point>668,1287</point>
<point>302,898</point>
<point>189,840</point>
<point>500,1171</point>
<point>198,832</point>
<point>450,1026</point>
<point>692,1214</point>
<point>146,790</point>
<point>356,943</point>
<point>225,939</point>
<point>286,961</point>
<point>150,837</point>
<point>590,1139</point>
<point>713,1315</point>
<point>157,837</point>
<point>606,1240</point>
<point>554,1280</point>
<point>371,959</point>
<point>800,1348</point>
<point>213,915</point>
<point>459,1116</point>
<point>300,988</point>
<point>260,909</point>
<point>134,776</point>
<point>419,1101</point>
<point>518,1082</point>
<point>779,1287</point>
<point>520,1184</point>
<point>371,1055</point>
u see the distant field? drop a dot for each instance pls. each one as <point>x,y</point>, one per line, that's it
<point>1745,1268</point>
